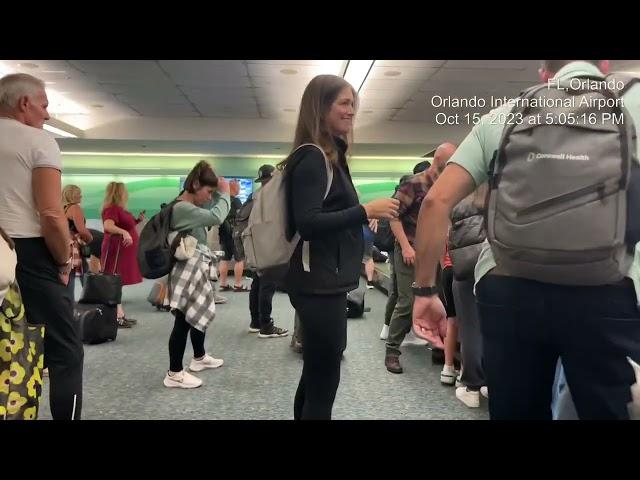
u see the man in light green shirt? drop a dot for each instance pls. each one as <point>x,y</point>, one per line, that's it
<point>527,325</point>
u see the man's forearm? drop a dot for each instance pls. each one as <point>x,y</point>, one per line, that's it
<point>433,223</point>
<point>55,231</point>
<point>398,232</point>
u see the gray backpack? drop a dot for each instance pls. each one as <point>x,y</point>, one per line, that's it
<point>265,241</point>
<point>558,209</point>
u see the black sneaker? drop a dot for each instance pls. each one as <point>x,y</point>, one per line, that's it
<point>253,328</point>
<point>271,331</point>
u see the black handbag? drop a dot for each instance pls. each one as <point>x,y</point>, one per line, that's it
<point>104,288</point>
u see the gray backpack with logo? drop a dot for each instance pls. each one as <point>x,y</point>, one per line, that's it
<point>563,201</point>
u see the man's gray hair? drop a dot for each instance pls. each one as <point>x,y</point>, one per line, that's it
<point>17,85</point>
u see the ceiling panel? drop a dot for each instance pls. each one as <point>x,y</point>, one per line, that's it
<point>530,65</point>
<point>392,84</point>
<point>483,75</point>
<point>401,73</point>
<point>89,93</point>
<point>410,63</point>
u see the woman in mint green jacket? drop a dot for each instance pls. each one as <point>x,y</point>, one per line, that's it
<point>203,203</point>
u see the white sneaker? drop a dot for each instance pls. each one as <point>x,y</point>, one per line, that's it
<point>459,380</point>
<point>181,380</point>
<point>448,375</point>
<point>484,391</point>
<point>206,362</point>
<point>411,339</point>
<point>384,334</point>
<point>469,398</point>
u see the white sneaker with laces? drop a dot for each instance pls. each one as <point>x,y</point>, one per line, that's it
<point>448,375</point>
<point>181,380</point>
<point>205,362</point>
<point>384,334</point>
<point>484,391</point>
<point>470,398</point>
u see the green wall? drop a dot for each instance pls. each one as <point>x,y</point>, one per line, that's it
<point>154,179</point>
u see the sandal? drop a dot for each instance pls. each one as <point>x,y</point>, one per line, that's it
<point>122,323</point>
<point>241,288</point>
<point>226,288</point>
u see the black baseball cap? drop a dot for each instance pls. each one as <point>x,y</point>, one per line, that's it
<point>264,173</point>
<point>421,167</point>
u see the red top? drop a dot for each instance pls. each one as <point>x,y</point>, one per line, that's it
<point>127,267</point>
<point>446,259</point>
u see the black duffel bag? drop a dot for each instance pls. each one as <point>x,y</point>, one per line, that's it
<point>104,288</point>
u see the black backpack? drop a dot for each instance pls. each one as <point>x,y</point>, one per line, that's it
<point>155,255</point>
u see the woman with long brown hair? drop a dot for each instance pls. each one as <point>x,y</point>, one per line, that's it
<point>324,208</point>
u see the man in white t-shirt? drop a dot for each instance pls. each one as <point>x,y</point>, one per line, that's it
<point>31,214</point>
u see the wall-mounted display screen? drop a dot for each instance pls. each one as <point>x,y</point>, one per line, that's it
<point>246,186</point>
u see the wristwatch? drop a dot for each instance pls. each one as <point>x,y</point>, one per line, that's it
<point>423,291</point>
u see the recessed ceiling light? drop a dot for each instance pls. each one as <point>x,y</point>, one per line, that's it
<point>29,66</point>
<point>53,71</point>
<point>289,109</point>
<point>97,105</point>
<point>288,71</point>
<point>392,73</point>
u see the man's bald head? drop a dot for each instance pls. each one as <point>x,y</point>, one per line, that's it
<point>441,156</point>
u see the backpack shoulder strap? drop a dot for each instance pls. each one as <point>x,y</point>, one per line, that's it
<point>628,80</point>
<point>305,245</point>
<point>327,164</point>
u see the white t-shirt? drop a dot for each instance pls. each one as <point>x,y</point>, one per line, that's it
<point>22,148</point>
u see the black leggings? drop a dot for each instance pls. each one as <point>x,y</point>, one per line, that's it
<point>323,324</point>
<point>178,342</point>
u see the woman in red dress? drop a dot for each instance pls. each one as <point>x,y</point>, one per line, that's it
<point>120,230</point>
